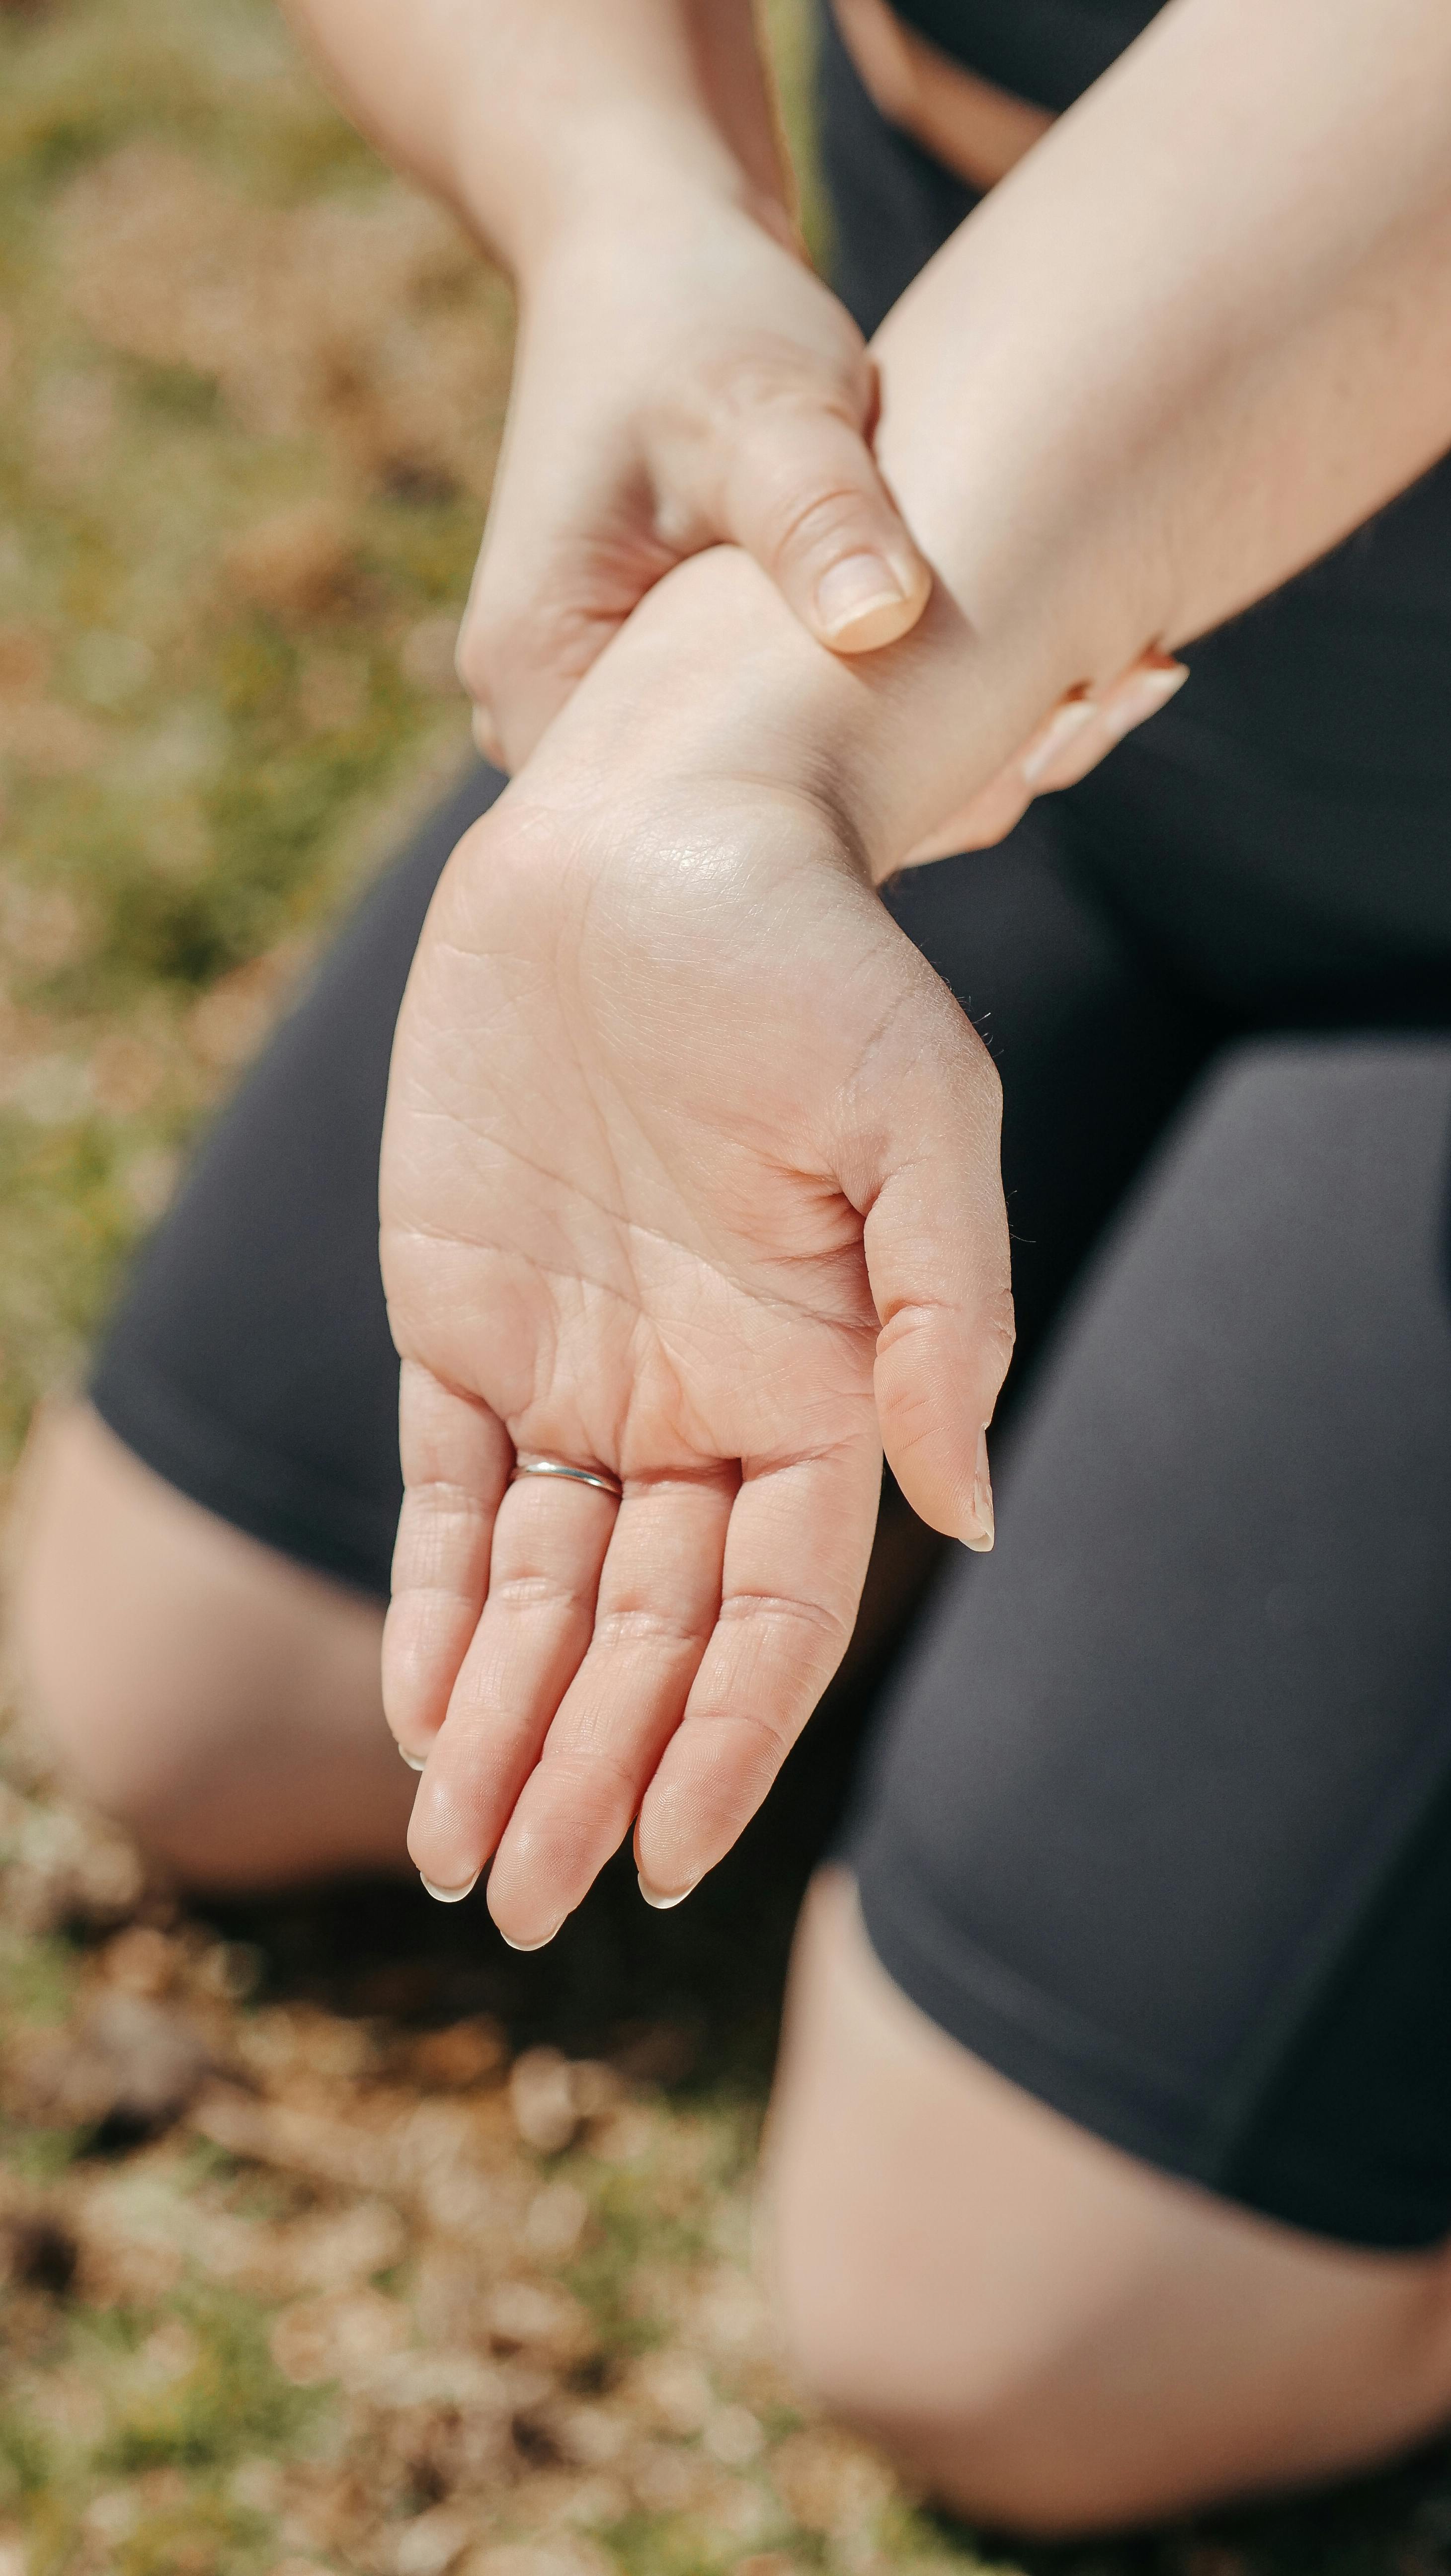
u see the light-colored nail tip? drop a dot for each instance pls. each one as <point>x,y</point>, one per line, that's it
<point>450,1895</point>
<point>527,1945</point>
<point>415,1761</point>
<point>1066,725</point>
<point>885,603</point>
<point>662,1904</point>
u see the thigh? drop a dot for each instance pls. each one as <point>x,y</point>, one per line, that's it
<point>1112,2138</point>
<point>1159,1823</point>
<point>249,1363</point>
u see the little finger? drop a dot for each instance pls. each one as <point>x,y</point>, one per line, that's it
<point>456,1457</point>
<point>796,1557</point>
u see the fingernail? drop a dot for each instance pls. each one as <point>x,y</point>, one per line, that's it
<point>415,1761</point>
<point>856,596</point>
<point>981,1538</point>
<point>662,1904</point>
<point>450,1895</point>
<point>1064,727</point>
<point>527,1945</point>
<point>1142,697</point>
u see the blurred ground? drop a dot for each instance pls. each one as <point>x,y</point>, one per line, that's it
<point>332,2237</point>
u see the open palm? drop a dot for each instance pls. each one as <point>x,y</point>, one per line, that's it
<point>690,1173</point>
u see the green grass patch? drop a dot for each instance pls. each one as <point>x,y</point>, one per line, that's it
<point>232,2402</point>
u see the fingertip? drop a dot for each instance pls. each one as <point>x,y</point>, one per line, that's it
<point>449,1895</point>
<point>981,1526</point>
<point>525,1936</point>
<point>660,1903</point>
<point>949,1500</point>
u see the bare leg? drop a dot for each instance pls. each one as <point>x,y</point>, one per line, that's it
<point>219,1699</point>
<point>1054,2335</point>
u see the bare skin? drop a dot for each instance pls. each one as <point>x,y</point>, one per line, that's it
<point>682,376</point>
<point>222,1701</point>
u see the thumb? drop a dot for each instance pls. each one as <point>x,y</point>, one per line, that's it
<point>804,495</point>
<point>936,1242</point>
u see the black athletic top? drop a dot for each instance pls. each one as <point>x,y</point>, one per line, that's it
<point>1045,50</point>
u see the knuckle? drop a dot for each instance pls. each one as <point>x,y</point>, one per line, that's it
<point>488,651</point>
<point>770,388</point>
<point>473,654</point>
<point>554,639</point>
<point>524,1595</point>
<point>489,743</point>
<point>625,1627</point>
<point>587,1765</point>
<point>767,1739</point>
<point>439,1498</point>
<point>816,520</point>
<point>439,1521</point>
<point>778,1610</point>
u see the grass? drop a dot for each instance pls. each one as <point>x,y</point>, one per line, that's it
<point>250,398</point>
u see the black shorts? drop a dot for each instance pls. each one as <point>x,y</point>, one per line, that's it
<point>1157,1814</point>
<point>1158,1817</point>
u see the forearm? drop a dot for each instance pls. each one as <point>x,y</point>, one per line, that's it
<point>1200,333</point>
<point>528,114</point>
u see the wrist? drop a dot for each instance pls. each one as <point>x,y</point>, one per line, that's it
<point>713,684</point>
<point>626,184</point>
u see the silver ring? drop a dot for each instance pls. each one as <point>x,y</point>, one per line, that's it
<point>606,1484</point>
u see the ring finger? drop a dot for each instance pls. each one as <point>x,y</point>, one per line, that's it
<point>659,1595</point>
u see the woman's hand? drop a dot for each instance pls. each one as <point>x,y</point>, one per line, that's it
<point>690,1173</point>
<point>682,378</point>
<point>696,385</point>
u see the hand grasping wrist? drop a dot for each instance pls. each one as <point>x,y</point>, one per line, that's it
<point>715,681</point>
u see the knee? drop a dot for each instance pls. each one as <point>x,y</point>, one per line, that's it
<point>1012,2438</point>
<point>99,1618</point>
<point>944,2263</point>
<point>164,1657</point>
<point>215,1698</point>
<point>1055,2386</point>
